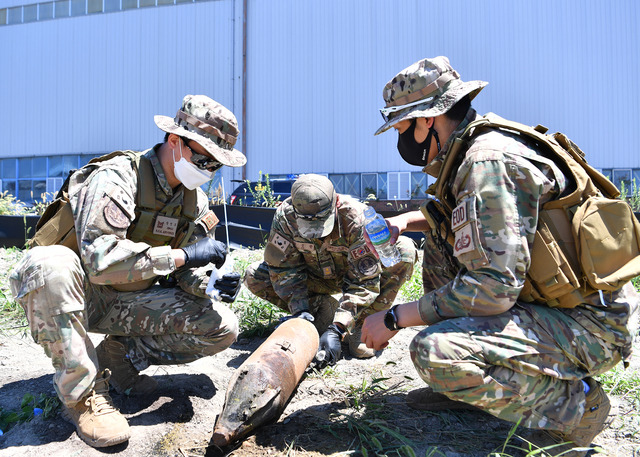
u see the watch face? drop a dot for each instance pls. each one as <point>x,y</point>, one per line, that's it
<point>390,320</point>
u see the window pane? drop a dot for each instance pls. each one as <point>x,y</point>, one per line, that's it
<point>9,168</point>
<point>129,4</point>
<point>39,167</point>
<point>418,185</point>
<point>184,1</point>
<point>3,16</point>
<point>78,7</point>
<point>382,185</point>
<point>39,188</point>
<point>15,15</point>
<point>622,179</point>
<point>69,163</point>
<point>369,185</point>
<point>165,2</point>
<point>46,11</point>
<point>94,6</point>
<point>9,186</point>
<point>55,166</point>
<point>62,8</point>
<point>111,5</point>
<point>30,13</point>
<point>338,183</point>
<point>147,3</point>
<point>24,190</point>
<point>352,184</point>
<point>24,168</point>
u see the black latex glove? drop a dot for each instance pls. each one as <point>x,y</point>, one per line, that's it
<point>229,286</point>
<point>330,349</point>
<point>204,251</point>
<point>300,314</point>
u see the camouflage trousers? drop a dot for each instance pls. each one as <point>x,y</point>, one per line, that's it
<point>161,326</point>
<point>524,364</point>
<point>391,280</point>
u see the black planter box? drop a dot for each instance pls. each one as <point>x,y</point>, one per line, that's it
<point>16,230</point>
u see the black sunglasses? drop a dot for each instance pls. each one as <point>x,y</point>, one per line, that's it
<point>200,160</point>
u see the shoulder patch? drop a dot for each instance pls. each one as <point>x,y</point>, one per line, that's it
<point>280,242</point>
<point>115,216</point>
<point>464,241</point>
<point>210,220</point>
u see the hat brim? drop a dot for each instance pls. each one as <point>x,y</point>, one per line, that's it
<point>438,106</point>
<point>230,158</point>
<point>317,228</point>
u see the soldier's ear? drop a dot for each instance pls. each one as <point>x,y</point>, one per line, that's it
<point>173,140</point>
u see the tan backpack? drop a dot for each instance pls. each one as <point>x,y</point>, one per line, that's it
<point>586,240</point>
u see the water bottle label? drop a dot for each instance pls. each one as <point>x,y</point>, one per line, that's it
<point>380,237</point>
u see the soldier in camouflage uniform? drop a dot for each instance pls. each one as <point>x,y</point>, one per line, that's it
<point>110,285</point>
<point>484,346</point>
<point>316,249</point>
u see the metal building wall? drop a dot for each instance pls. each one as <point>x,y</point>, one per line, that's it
<point>92,84</point>
<point>317,68</point>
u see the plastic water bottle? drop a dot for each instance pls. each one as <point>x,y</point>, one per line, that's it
<point>379,235</point>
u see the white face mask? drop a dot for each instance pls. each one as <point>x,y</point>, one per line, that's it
<point>188,174</point>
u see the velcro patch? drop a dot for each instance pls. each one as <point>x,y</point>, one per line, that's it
<point>165,225</point>
<point>360,251</point>
<point>367,266</point>
<point>306,247</point>
<point>332,248</point>
<point>464,240</point>
<point>115,216</point>
<point>459,216</point>
<point>280,242</point>
<point>210,220</point>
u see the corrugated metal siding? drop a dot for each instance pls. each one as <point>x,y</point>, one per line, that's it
<point>92,84</point>
<point>317,68</point>
<point>315,72</point>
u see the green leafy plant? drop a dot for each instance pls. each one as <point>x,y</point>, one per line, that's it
<point>262,192</point>
<point>9,205</point>
<point>30,405</point>
<point>631,195</point>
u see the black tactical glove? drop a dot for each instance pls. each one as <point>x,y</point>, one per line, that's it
<point>330,349</point>
<point>229,286</point>
<point>204,251</point>
<point>300,314</point>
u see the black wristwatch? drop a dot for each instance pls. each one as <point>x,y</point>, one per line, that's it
<point>391,319</point>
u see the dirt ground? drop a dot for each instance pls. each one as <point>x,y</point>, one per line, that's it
<point>331,414</point>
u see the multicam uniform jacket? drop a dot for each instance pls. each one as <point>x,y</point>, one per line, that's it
<point>498,188</point>
<point>343,255</point>
<point>103,199</point>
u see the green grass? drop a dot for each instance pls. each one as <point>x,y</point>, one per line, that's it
<point>12,318</point>
<point>257,317</point>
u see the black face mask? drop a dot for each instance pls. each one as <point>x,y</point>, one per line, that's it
<point>413,152</point>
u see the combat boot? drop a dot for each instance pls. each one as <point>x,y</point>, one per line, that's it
<point>357,348</point>
<point>125,379</point>
<point>98,423</point>
<point>595,419</point>
<point>425,399</point>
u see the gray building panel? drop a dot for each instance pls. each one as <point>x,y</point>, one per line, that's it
<point>313,73</point>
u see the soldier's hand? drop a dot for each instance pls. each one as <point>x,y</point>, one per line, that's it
<point>229,286</point>
<point>300,314</point>
<point>330,348</point>
<point>205,251</point>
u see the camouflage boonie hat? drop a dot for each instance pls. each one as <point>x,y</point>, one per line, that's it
<point>314,202</point>
<point>428,88</point>
<point>209,124</point>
